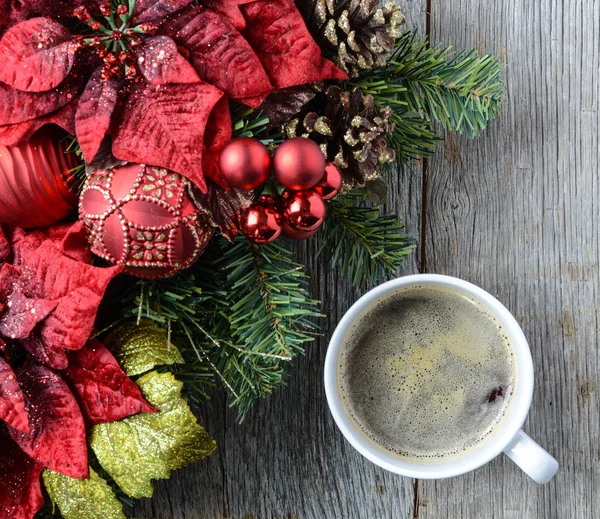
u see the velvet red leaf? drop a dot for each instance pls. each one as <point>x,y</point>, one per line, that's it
<point>94,113</point>
<point>160,63</point>
<point>4,245</point>
<point>217,135</point>
<point>165,127</point>
<point>230,9</point>
<point>12,403</point>
<point>13,134</point>
<point>20,489</point>
<point>17,106</point>
<point>36,55</point>
<point>156,10</point>
<point>219,53</point>
<point>104,392</point>
<point>278,35</point>
<point>57,437</point>
<point>52,355</point>
<point>22,314</point>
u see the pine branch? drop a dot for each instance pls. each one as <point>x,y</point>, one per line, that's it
<point>239,317</point>
<point>462,92</point>
<point>368,245</point>
<point>248,122</point>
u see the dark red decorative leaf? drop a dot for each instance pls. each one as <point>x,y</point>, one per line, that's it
<point>57,436</point>
<point>17,106</point>
<point>12,403</point>
<point>20,489</point>
<point>278,35</point>
<point>217,135</point>
<point>228,8</point>
<point>219,53</point>
<point>22,314</point>
<point>104,392</point>
<point>222,206</point>
<point>52,355</point>
<point>165,127</point>
<point>94,113</point>
<point>156,10</point>
<point>4,246</point>
<point>13,134</point>
<point>36,55</point>
<point>160,63</point>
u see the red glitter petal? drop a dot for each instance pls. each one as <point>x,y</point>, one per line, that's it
<point>94,112</point>
<point>156,10</point>
<point>217,135</point>
<point>160,63</point>
<point>102,388</point>
<point>230,9</point>
<point>57,436</point>
<point>12,404</point>
<point>20,489</point>
<point>278,35</point>
<point>36,55</point>
<point>22,314</point>
<point>166,127</point>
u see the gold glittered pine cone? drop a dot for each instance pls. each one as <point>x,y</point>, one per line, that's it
<point>355,34</point>
<point>351,130</point>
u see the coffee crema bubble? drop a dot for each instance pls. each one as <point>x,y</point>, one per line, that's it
<point>426,372</point>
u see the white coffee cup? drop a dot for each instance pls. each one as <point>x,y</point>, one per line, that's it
<point>507,437</point>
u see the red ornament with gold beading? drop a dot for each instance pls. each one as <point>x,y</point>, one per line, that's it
<point>144,218</point>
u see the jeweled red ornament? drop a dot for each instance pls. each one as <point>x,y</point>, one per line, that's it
<point>294,234</point>
<point>299,164</point>
<point>331,183</point>
<point>260,223</point>
<point>245,163</point>
<point>304,210</point>
<point>144,218</point>
<point>35,181</point>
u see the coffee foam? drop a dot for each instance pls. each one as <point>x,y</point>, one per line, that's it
<point>427,372</point>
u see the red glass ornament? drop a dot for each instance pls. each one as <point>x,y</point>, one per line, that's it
<point>294,234</point>
<point>331,183</point>
<point>260,223</point>
<point>35,181</point>
<point>304,210</point>
<point>245,163</point>
<point>144,218</point>
<point>299,164</point>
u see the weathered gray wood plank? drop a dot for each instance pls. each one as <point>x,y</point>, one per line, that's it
<point>288,460</point>
<point>518,213</point>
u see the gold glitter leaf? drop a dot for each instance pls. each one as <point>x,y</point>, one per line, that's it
<point>82,498</point>
<point>139,348</point>
<point>149,446</point>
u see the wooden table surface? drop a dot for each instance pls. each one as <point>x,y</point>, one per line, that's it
<point>517,212</point>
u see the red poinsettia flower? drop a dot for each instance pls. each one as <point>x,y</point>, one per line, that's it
<point>53,379</point>
<point>154,74</point>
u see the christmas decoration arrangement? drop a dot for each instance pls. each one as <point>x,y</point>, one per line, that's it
<point>158,161</point>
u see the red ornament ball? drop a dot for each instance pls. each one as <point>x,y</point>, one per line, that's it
<point>299,164</point>
<point>331,183</point>
<point>245,163</point>
<point>294,234</point>
<point>35,181</point>
<point>260,223</point>
<point>144,218</point>
<point>304,210</point>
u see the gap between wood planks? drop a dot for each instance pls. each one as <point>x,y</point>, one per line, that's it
<point>423,251</point>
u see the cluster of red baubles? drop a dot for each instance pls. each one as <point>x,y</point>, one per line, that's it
<point>299,166</point>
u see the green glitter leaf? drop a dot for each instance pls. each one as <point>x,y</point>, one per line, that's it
<point>139,348</point>
<point>150,445</point>
<point>82,498</point>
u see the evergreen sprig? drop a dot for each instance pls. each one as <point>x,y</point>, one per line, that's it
<point>366,244</point>
<point>239,316</point>
<point>460,91</point>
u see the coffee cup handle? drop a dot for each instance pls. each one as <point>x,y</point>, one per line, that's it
<point>538,464</point>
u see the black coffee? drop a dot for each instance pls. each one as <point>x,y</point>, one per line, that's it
<point>427,372</point>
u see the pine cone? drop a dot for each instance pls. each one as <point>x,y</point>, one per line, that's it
<point>355,34</point>
<point>350,129</point>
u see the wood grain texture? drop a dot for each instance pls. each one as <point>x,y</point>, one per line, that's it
<point>517,212</point>
<point>288,460</point>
